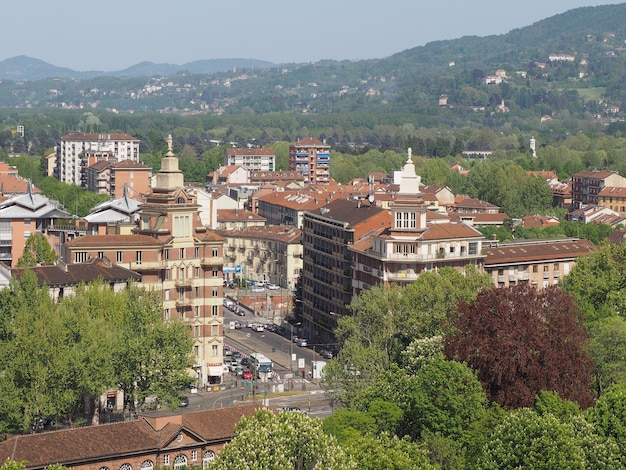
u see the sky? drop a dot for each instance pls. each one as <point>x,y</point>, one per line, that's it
<point>116,34</point>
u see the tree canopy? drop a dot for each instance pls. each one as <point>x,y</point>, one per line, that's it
<point>521,341</point>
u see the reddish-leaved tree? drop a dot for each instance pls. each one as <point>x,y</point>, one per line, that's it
<point>520,341</point>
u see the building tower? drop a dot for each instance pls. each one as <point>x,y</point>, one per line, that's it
<point>311,158</point>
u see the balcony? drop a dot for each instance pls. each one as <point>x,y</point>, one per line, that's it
<point>523,276</point>
<point>142,265</point>
<point>186,283</point>
<point>213,261</point>
<point>556,274</point>
<point>402,277</point>
<point>501,278</point>
<point>546,275</point>
<point>183,302</point>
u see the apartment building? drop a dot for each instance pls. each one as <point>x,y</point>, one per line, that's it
<point>253,159</point>
<point>588,184</point>
<point>538,262</point>
<point>114,178</point>
<point>176,255</point>
<point>311,158</point>
<point>419,240</point>
<point>327,235</point>
<point>27,214</point>
<point>264,253</point>
<point>74,149</point>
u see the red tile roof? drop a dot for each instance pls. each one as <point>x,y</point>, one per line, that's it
<point>113,240</point>
<point>542,250</point>
<point>72,447</point>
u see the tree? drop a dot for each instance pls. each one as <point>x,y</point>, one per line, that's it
<point>37,250</point>
<point>448,400</point>
<point>522,341</point>
<point>380,451</point>
<point>387,319</point>
<point>150,356</point>
<point>597,282</point>
<point>608,351</point>
<point>528,440</point>
<point>609,414</point>
<point>267,441</point>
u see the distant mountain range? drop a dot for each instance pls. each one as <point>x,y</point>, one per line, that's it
<point>27,68</point>
<point>571,66</point>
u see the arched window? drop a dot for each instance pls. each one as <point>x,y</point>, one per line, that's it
<point>180,200</point>
<point>147,465</point>
<point>208,456</point>
<point>103,468</point>
<point>126,466</point>
<point>180,461</point>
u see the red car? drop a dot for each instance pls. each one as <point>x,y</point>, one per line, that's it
<point>247,374</point>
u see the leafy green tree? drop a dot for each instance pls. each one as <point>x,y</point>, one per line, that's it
<point>609,414</point>
<point>345,425</point>
<point>382,451</point>
<point>521,341</point>
<point>597,284</point>
<point>528,440</point>
<point>37,250</point>
<point>448,399</point>
<point>608,351</point>
<point>551,402</point>
<point>421,352</point>
<point>268,441</point>
<point>150,356</point>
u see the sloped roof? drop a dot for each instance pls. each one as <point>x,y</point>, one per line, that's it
<point>97,268</point>
<point>542,250</point>
<point>71,447</point>
<point>89,241</point>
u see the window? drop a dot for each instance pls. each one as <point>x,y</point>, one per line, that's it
<point>167,314</point>
<point>556,266</point>
<point>167,253</point>
<point>473,248</point>
<point>119,257</point>
<point>194,455</point>
<point>196,330</point>
<point>214,310</point>
<point>215,330</point>
<point>182,226</point>
<point>196,311</point>
<point>546,268</point>
<point>535,268</point>
<point>208,456</point>
<point>80,256</point>
<point>181,253</point>
<point>101,254</point>
<point>166,460</point>
<point>167,275</point>
<point>197,252</point>
<point>197,292</point>
<point>126,466</point>
<point>26,222</point>
<point>196,350</point>
<point>215,272</point>
<point>139,254</point>
<point>181,313</point>
<point>180,462</point>
<point>214,350</point>
<point>167,294</point>
<point>147,465</point>
<point>215,252</point>
<point>181,274</point>
<point>196,272</point>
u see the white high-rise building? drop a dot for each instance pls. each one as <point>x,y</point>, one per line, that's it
<point>73,148</point>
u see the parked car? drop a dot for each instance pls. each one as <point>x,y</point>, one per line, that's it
<point>184,401</point>
<point>246,374</point>
<point>273,287</point>
<point>302,342</point>
<point>236,355</point>
<point>257,289</point>
<point>325,353</point>
<point>245,361</point>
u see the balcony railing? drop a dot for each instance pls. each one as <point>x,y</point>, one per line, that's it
<point>212,261</point>
<point>183,282</point>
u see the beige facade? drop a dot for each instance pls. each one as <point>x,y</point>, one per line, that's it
<point>538,262</point>
<point>272,254</point>
<point>176,255</point>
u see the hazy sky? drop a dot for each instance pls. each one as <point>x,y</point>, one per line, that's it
<point>115,34</point>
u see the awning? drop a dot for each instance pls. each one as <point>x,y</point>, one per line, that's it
<point>215,371</point>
